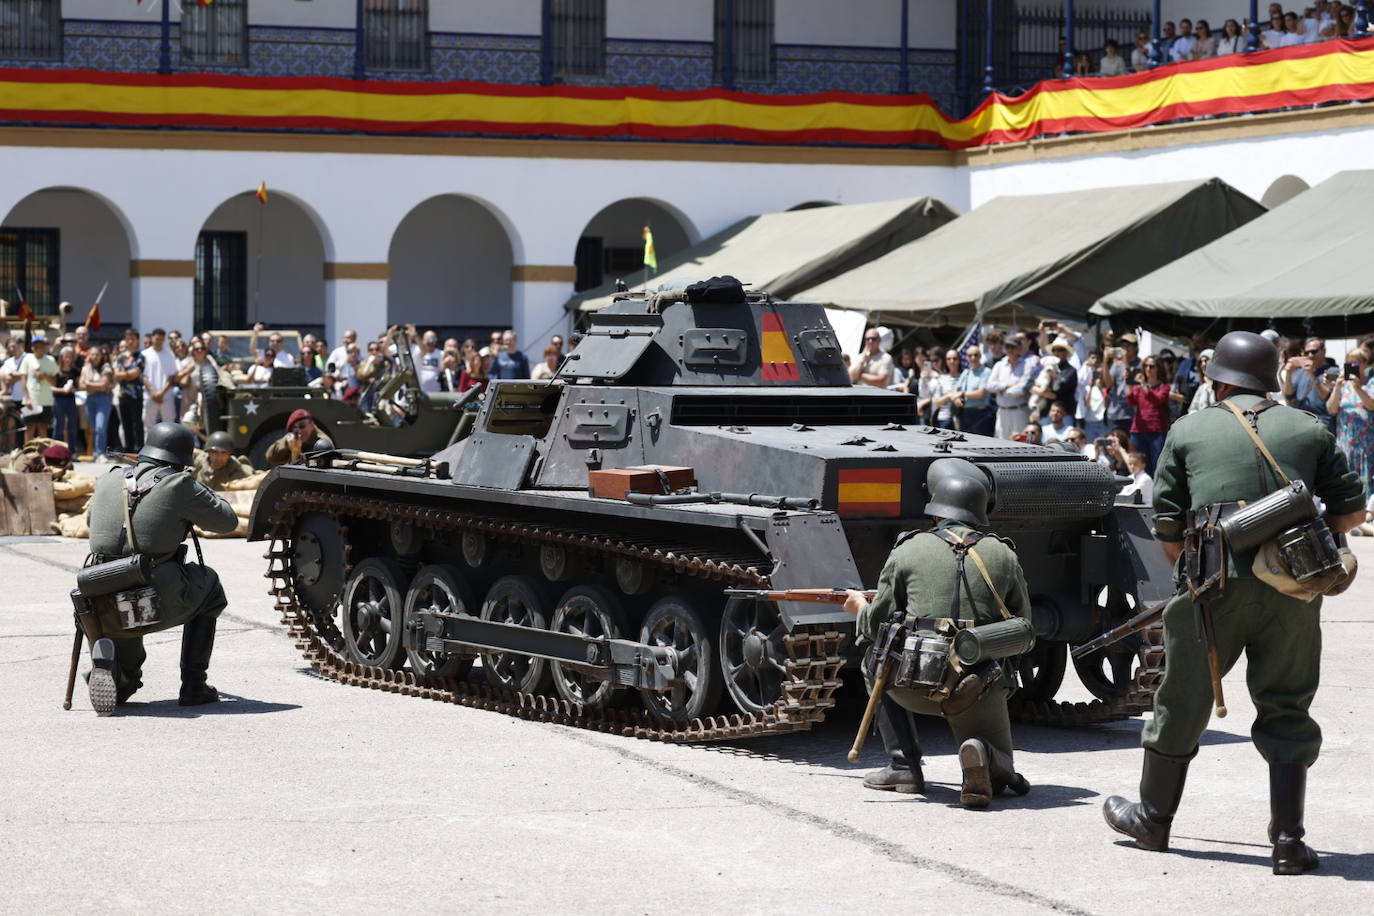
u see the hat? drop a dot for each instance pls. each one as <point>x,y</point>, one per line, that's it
<point>1128,337</point>
<point>1059,342</point>
<point>1270,335</point>
<point>1207,354</point>
<point>38,337</point>
<point>300,413</point>
<point>57,453</point>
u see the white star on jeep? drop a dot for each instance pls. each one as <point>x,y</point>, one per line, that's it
<point>251,408</point>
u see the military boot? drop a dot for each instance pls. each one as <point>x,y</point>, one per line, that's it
<point>1287,795</point>
<point>101,678</point>
<point>197,643</point>
<point>1004,776</point>
<point>1161,790</point>
<point>898,732</point>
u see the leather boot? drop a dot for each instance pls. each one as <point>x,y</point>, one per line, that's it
<point>898,732</point>
<point>975,759</point>
<point>1003,775</point>
<point>1287,794</point>
<point>197,644</point>
<point>1161,790</point>
<point>101,679</point>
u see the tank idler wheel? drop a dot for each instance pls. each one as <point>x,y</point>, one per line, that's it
<point>633,577</point>
<point>518,600</point>
<point>1109,673</point>
<point>554,563</point>
<point>753,658</point>
<point>317,561</point>
<point>587,610</point>
<point>674,623</point>
<point>439,588</point>
<point>1041,670</point>
<point>374,614</point>
<point>477,549</point>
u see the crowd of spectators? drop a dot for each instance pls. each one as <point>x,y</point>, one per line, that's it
<point>1198,40</point>
<point>1052,387</point>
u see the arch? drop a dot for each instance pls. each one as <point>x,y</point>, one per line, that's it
<point>95,242</point>
<point>1284,189</point>
<point>812,205</point>
<point>450,259</point>
<point>261,262</point>
<point>612,242</point>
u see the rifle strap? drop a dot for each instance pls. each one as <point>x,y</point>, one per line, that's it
<point>1259,443</point>
<point>1001,605</point>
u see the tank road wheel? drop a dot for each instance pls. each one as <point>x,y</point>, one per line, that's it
<point>586,610</point>
<point>752,655</point>
<point>318,554</point>
<point>1041,670</point>
<point>439,589</point>
<point>674,623</point>
<point>1108,673</point>
<point>518,600</point>
<point>374,613</point>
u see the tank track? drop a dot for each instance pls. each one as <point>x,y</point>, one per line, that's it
<point>1137,699</point>
<point>815,654</point>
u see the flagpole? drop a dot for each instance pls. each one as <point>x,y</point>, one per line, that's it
<point>257,272</point>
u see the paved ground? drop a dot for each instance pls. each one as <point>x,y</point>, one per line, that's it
<point>299,795</point>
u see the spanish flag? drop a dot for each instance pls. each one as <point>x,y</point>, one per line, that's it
<point>25,313</point>
<point>93,316</point>
<point>779,364</point>
<point>869,492</point>
<point>650,256</point>
<point>261,192</point>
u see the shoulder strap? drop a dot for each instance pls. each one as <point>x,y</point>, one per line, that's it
<point>134,494</point>
<point>963,546</point>
<point>1254,436</point>
<point>1001,605</point>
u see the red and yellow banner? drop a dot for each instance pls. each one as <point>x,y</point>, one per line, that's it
<point>779,365</point>
<point>869,492</point>
<point>1266,80</point>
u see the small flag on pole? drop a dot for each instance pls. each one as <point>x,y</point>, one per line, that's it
<point>205,2</point>
<point>261,193</point>
<point>25,313</point>
<point>650,256</point>
<point>93,316</point>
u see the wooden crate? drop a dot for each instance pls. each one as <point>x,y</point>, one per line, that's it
<point>27,505</point>
<point>614,483</point>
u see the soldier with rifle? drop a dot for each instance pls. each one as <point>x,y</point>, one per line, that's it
<point>946,601</point>
<point>1233,498</point>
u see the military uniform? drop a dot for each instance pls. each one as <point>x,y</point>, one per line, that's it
<point>236,468</point>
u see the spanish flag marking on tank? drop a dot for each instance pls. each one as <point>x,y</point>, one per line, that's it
<point>779,365</point>
<point>868,492</point>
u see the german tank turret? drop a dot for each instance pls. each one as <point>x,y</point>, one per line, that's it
<point>578,541</point>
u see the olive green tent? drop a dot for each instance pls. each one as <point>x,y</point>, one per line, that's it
<point>1051,255</point>
<point>781,252</point>
<point>1302,267</point>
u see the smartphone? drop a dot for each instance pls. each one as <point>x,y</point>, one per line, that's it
<point>1351,370</point>
<point>1102,443</point>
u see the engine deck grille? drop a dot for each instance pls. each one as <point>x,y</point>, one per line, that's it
<point>775,410</point>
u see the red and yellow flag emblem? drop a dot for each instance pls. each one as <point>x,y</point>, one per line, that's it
<point>779,365</point>
<point>870,492</point>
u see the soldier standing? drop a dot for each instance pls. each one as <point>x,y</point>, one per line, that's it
<point>1210,460</point>
<point>922,580</point>
<point>162,503</point>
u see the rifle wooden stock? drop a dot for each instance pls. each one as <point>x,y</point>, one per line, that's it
<point>71,672</point>
<point>874,698</point>
<point>1213,663</point>
<point>1146,618</point>
<point>807,595</point>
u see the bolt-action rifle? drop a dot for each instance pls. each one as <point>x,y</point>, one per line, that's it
<point>808,595</point>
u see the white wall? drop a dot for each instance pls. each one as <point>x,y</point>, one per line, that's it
<point>450,265</point>
<point>675,19</point>
<point>621,225</point>
<point>285,258</point>
<point>865,23</point>
<point>318,14</point>
<point>93,249</point>
<point>503,17</point>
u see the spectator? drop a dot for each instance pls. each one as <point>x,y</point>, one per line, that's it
<point>873,367</point>
<point>944,385</point>
<point>1308,384</point>
<point>340,354</point>
<point>557,341</point>
<point>1352,404</point>
<point>1113,64</point>
<point>1064,386</point>
<point>347,370</point>
<point>1140,54</point>
<point>547,368</point>
<point>276,343</point>
<point>1091,398</point>
<point>1293,31</point>
<point>1111,450</point>
<point>66,426</point>
<point>81,341</point>
<point>1074,441</point>
<point>901,373</point>
<point>1140,479</point>
<point>992,347</point>
<point>1231,40</point>
<point>1082,64</point>
<point>1010,382</point>
<point>260,373</point>
<point>1149,395</point>
<point>1185,379</point>
<point>1205,396</point>
<point>10,377</point>
<point>1182,46</point>
<point>1057,425</point>
<point>474,374</point>
<point>159,375</point>
<point>974,410</point>
<point>223,352</point>
<point>1030,434</point>
<point>1205,43</point>
<point>325,386</point>
<point>510,363</point>
<point>129,374</point>
<point>1117,362</point>
<point>451,367</point>
<point>40,374</point>
<point>302,436</point>
<point>1272,37</point>
<point>97,380</point>
<point>427,360</point>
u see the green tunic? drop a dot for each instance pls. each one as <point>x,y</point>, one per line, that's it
<point>918,577</point>
<point>234,469</point>
<point>1209,458</point>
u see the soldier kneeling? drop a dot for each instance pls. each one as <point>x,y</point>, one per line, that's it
<point>925,588</point>
<point>148,510</point>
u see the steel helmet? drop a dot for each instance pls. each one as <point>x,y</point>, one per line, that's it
<point>958,490</point>
<point>220,441</point>
<point>1246,360</point>
<point>171,443</point>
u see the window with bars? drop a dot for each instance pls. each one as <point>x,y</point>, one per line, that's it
<point>31,29</point>
<point>579,37</point>
<point>28,262</point>
<point>216,34</point>
<point>396,34</point>
<point>221,294</point>
<point>751,51</point>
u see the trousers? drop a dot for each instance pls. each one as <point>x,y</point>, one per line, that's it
<point>1011,420</point>
<point>987,719</point>
<point>1281,639</point>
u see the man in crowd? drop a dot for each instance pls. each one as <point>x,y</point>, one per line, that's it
<point>339,355</point>
<point>510,362</point>
<point>427,359</point>
<point>39,371</point>
<point>1307,383</point>
<point>873,367</point>
<point>218,465</point>
<point>1183,45</point>
<point>557,341</point>
<point>302,436</point>
<point>1118,365</point>
<point>1056,426</point>
<point>276,343</point>
<point>159,375</point>
<point>1010,383</point>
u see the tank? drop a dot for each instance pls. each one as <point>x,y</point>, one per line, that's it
<point>568,558</point>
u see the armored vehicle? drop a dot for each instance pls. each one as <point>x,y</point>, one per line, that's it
<point>580,540</point>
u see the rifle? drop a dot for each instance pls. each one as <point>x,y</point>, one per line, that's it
<point>892,634</point>
<point>808,595</point>
<point>1146,618</point>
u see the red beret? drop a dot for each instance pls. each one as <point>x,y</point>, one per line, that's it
<point>57,453</point>
<point>300,413</point>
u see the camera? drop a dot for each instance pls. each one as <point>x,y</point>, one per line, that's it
<point>1018,437</point>
<point>1102,442</point>
<point>1352,370</point>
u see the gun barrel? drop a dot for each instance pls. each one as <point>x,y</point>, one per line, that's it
<point>809,595</point>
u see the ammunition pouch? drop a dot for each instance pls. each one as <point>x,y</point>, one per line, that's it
<point>970,688</point>
<point>119,593</point>
<point>924,665</point>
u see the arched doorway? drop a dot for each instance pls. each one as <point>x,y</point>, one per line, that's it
<point>451,260</point>
<point>260,262</point>
<point>612,245</point>
<point>66,243</point>
<point>1284,189</point>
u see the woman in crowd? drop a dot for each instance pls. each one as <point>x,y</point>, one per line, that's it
<point>1149,395</point>
<point>975,413</point>
<point>260,373</point>
<point>1352,403</point>
<point>1112,450</point>
<point>1140,54</point>
<point>1091,398</point>
<point>549,366</point>
<point>1206,395</point>
<point>474,374</point>
<point>66,422</point>
<point>1231,40</point>
<point>1273,36</point>
<point>97,380</point>
<point>1205,45</point>
<point>943,388</point>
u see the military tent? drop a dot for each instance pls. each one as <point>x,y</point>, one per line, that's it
<point>781,252</point>
<point>1301,267</point>
<point>1051,255</point>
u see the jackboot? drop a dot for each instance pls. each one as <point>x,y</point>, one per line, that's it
<point>1161,791</point>
<point>197,644</point>
<point>975,759</point>
<point>1003,774</point>
<point>1287,795</point>
<point>898,732</point>
<point>100,681</point>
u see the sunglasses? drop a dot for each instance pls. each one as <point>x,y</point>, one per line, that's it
<point>867,339</point>
<point>1313,352</point>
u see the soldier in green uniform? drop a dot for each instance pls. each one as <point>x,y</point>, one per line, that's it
<point>1209,458</point>
<point>919,580</point>
<point>217,465</point>
<point>166,503</point>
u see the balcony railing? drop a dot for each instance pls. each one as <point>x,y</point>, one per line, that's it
<point>31,29</point>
